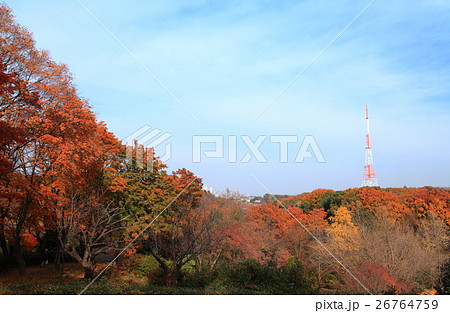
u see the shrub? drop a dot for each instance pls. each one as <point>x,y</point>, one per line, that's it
<point>143,265</point>
<point>251,277</point>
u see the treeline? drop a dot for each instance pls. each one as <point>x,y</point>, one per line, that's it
<point>390,239</point>
<point>66,185</point>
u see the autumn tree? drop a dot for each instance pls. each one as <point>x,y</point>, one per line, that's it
<point>146,188</point>
<point>227,215</point>
<point>435,237</point>
<point>265,226</point>
<point>9,136</point>
<point>275,235</point>
<point>394,245</point>
<point>343,232</point>
<point>90,227</point>
<point>83,198</point>
<point>22,109</point>
<point>185,229</point>
<point>58,133</point>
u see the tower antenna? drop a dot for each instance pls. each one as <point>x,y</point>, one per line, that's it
<point>369,178</point>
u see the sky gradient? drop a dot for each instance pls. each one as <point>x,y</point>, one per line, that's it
<point>226,60</point>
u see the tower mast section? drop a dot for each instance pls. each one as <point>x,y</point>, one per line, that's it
<point>369,177</point>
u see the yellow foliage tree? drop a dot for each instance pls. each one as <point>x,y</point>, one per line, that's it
<point>344,234</point>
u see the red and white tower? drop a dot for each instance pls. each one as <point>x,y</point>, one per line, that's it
<point>369,178</point>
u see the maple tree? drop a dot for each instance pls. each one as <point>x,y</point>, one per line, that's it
<point>185,230</point>
<point>183,227</point>
<point>265,227</point>
<point>275,235</point>
<point>9,135</point>
<point>226,214</point>
<point>86,214</point>
<point>59,137</point>
<point>21,109</point>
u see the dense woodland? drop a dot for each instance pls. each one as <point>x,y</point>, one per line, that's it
<point>66,186</point>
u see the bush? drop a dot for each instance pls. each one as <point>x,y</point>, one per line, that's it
<point>143,265</point>
<point>199,279</point>
<point>251,277</point>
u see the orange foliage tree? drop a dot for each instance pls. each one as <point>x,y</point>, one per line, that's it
<point>275,235</point>
<point>60,133</point>
<point>184,229</point>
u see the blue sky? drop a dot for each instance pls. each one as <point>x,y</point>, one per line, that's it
<point>225,60</point>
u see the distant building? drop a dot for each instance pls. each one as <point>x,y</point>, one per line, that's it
<point>210,190</point>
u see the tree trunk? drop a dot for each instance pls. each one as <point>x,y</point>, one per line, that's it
<point>17,246</point>
<point>11,250</point>
<point>166,269</point>
<point>61,262</point>
<point>86,262</point>
<point>18,254</point>
<point>5,252</point>
<point>57,259</point>
<point>177,275</point>
<point>167,278</point>
<point>211,267</point>
<point>4,246</point>
<point>89,271</point>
